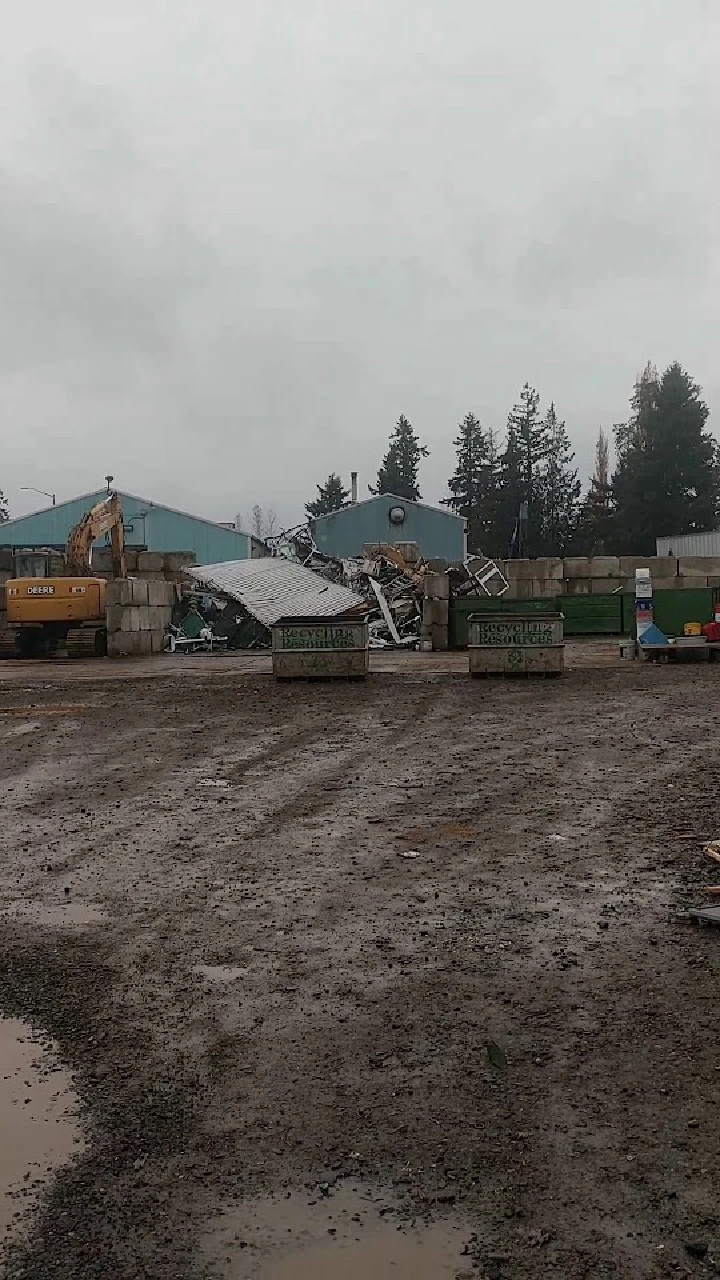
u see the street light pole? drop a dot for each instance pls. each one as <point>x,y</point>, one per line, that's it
<point>30,488</point>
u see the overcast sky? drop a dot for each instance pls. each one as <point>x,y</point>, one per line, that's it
<point>239,238</point>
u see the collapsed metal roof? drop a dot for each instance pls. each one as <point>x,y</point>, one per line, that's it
<point>272,587</point>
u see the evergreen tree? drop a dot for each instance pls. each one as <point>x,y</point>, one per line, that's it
<point>557,489</point>
<point>331,497</point>
<point>509,531</point>
<point>399,472</point>
<point>595,531</point>
<point>4,513</point>
<point>667,479</point>
<point>473,484</point>
<point>521,477</point>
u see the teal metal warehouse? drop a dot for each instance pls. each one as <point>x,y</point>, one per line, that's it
<point>386,518</point>
<point>148,525</point>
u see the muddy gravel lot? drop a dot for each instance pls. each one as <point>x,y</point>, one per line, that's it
<point>278,1025</point>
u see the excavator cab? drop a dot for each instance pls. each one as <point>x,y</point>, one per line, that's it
<point>31,564</point>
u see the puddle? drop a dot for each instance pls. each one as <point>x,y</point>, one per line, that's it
<point>347,1233</point>
<point>58,914</point>
<point>220,972</point>
<point>386,1255</point>
<point>38,1129</point>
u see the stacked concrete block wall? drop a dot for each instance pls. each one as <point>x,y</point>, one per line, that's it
<point>603,575</point>
<point>152,566</point>
<point>138,614</point>
<point>436,610</point>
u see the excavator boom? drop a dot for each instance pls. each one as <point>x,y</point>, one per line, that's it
<point>104,517</point>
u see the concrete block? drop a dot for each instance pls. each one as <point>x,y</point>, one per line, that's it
<point>114,617</point>
<point>176,561</point>
<point>130,620</point>
<point>591,567</point>
<point>577,586</point>
<point>119,592</point>
<point>605,586</point>
<point>713,580</point>
<point>131,559</point>
<point>149,562</point>
<point>437,586</point>
<point>439,637</point>
<point>121,644</point>
<point>437,565</point>
<point>679,584</point>
<point>659,566</point>
<point>690,565</point>
<point>143,612</point>
<point>546,588</point>
<point>139,589</point>
<point>157,641</point>
<point>436,612</point>
<point>543,567</point>
<point>161,594</point>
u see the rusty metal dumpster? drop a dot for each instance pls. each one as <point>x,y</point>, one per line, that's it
<point>502,644</point>
<point>320,648</point>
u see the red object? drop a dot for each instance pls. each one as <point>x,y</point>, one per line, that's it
<point>711,631</point>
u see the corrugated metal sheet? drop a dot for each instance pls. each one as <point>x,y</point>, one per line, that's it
<point>274,588</point>
<point>690,544</point>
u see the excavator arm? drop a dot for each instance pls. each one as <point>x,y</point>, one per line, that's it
<point>105,517</point>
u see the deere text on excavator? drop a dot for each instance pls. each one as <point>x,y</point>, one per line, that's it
<point>64,615</point>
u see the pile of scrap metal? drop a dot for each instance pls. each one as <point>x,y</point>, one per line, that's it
<point>478,576</point>
<point>390,584</point>
<point>240,600</point>
<point>391,580</point>
<point>244,598</point>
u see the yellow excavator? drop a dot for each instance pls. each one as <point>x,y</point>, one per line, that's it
<point>63,615</point>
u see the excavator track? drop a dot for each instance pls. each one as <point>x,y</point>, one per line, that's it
<point>86,642</point>
<point>8,644</point>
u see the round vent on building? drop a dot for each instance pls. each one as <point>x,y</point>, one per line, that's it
<point>397,515</point>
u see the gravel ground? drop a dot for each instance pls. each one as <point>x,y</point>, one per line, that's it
<point>203,902</point>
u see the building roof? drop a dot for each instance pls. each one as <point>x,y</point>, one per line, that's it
<point>272,587</point>
<point>95,495</point>
<point>393,497</point>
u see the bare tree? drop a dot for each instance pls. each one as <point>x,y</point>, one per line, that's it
<point>258,521</point>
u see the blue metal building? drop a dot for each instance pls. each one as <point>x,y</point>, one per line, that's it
<point>147,525</point>
<point>440,535</point>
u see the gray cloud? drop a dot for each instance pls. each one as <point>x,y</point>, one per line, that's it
<point>237,242</point>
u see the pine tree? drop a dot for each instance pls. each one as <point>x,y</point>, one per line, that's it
<point>521,472</point>
<point>473,484</point>
<point>667,479</point>
<point>557,489</point>
<point>398,474</point>
<point>509,529</point>
<point>596,525</point>
<point>331,497</point>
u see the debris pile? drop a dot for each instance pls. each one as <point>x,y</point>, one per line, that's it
<point>390,583</point>
<point>241,599</point>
